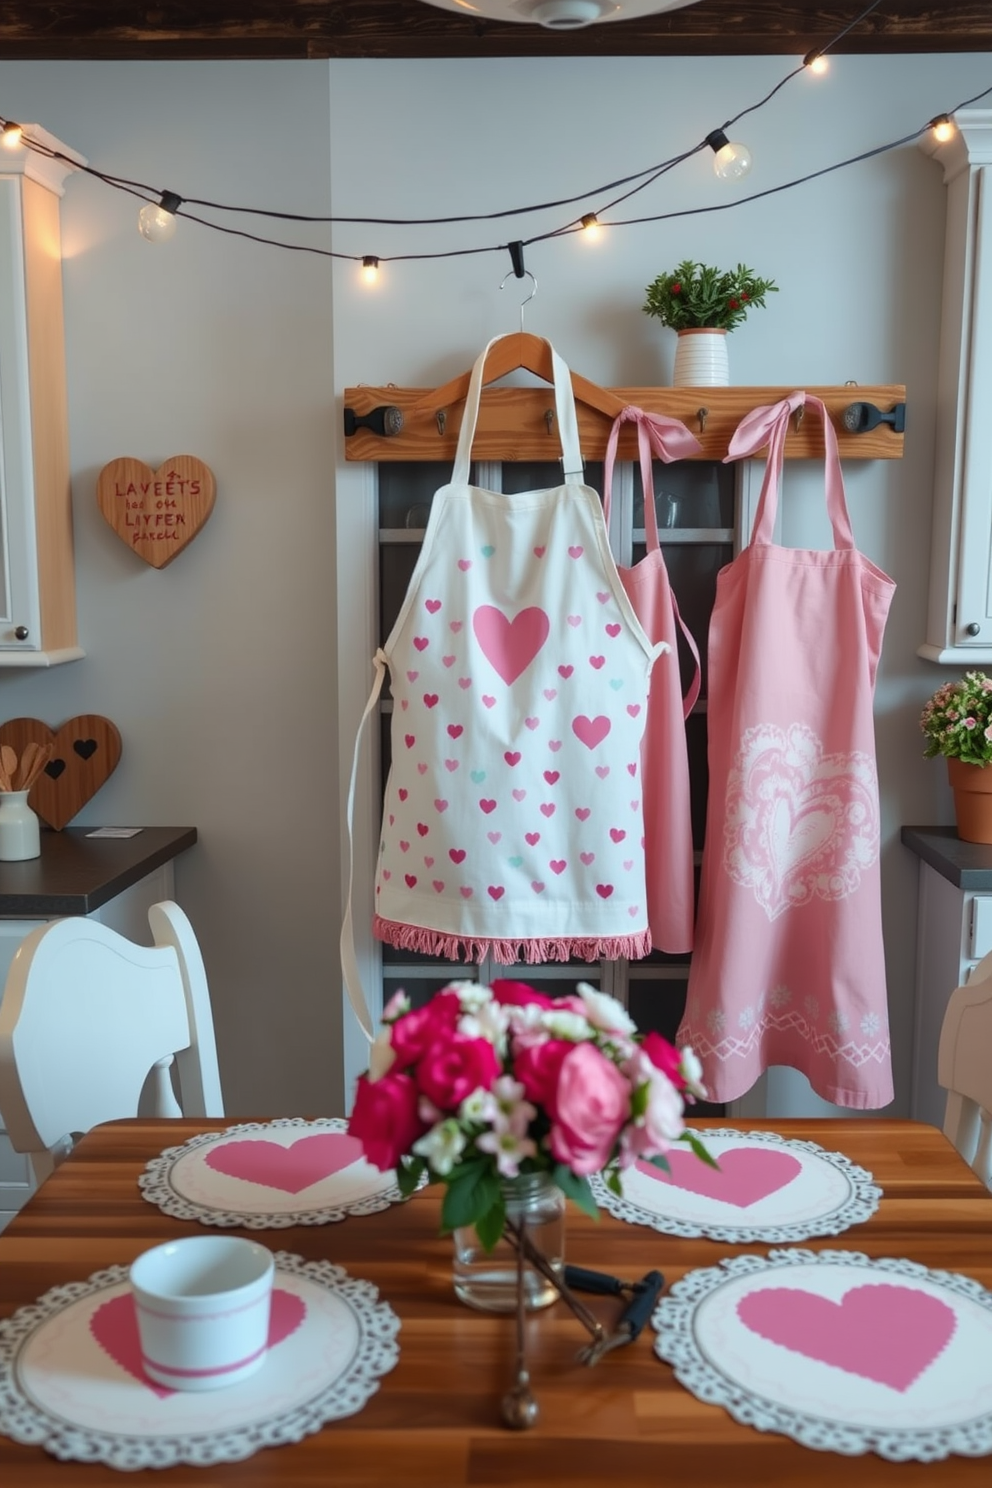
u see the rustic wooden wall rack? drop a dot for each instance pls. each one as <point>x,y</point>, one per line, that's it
<point>518,423</point>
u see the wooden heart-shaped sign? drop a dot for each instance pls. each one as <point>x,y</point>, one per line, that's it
<point>85,755</point>
<point>156,512</point>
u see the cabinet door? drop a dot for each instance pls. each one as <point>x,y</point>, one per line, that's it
<point>19,606</point>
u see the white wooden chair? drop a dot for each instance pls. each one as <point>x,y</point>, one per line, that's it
<point>964,1069</point>
<point>89,1021</point>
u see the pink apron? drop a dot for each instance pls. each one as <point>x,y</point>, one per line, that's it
<point>664,760</point>
<point>788,967</point>
<point>513,817</point>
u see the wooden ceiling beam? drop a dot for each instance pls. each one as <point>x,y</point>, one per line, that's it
<point>180,29</point>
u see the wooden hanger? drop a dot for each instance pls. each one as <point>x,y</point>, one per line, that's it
<point>522,351</point>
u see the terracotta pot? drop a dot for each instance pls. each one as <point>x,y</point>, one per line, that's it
<point>972,787</point>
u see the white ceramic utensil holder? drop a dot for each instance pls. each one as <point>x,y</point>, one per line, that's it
<point>20,835</point>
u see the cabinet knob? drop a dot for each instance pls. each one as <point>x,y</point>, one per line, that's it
<point>972,629</point>
<point>21,632</point>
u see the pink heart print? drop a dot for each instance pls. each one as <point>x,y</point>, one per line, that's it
<point>590,731</point>
<point>289,1169</point>
<point>745,1174</point>
<point>510,645</point>
<point>880,1332</point>
<point>114,1326</point>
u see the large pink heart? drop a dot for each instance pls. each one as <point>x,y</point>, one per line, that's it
<point>745,1174</point>
<point>510,645</point>
<point>114,1325</point>
<point>290,1169</point>
<point>881,1332</point>
<point>591,731</point>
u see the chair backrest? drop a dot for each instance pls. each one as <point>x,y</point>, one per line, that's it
<point>964,1069</point>
<point>87,1016</point>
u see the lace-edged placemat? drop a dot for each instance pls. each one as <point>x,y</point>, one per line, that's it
<point>767,1188</point>
<point>71,1378</point>
<point>266,1175</point>
<point>840,1352</point>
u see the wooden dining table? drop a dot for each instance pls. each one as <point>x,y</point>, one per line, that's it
<point>435,1419</point>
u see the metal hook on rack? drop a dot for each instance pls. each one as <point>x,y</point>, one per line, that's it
<point>525,275</point>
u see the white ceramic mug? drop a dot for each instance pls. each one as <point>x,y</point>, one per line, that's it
<point>202,1307</point>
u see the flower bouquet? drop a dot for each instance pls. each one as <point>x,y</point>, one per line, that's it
<point>485,1086</point>
<point>957,720</point>
<point>696,296</point>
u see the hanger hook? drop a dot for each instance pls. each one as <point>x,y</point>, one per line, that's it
<point>526,275</point>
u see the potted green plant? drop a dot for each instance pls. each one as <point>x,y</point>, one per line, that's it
<point>957,723</point>
<point>701,304</point>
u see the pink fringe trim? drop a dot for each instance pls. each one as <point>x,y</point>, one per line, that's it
<point>508,952</point>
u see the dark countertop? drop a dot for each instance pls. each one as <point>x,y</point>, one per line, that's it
<point>77,873</point>
<point>968,865</point>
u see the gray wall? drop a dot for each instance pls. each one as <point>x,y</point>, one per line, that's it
<point>222,671</point>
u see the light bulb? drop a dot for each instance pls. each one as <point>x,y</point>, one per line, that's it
<point>157,220</point>
<point>591,226</point>
<point>11,135</point>
<point>816,62</point>
<point>731,159</point>
<point>370,268</point>
<point>943,129</point>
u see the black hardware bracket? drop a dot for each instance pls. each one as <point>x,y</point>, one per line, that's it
<point>861,418</point>
<point>386,420</point>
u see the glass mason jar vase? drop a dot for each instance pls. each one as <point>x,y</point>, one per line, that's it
<point>487,1280</point>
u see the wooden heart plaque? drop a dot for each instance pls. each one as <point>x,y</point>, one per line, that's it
<point>86,752</point>
<point>156,512</point>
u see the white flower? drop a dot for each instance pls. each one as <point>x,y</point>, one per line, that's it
<point>603,1011</point>
<point>870,1024</point>
<point>471,995</point>
<point>442,1146</point>
<point>509,1111</point>
<point>661,1124</point>
<point>717,1020</point>
<point>488,1021</point>
<point>508,1149</point>
<point>779,996</point>
<point>692,1072</point>
<point>838,1021</point>
<point>395,1008</point>
<point>565,1025</point>
<point>745,1017</point>
<point>382,1055</point>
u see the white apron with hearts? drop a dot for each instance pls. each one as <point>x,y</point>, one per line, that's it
<point>513,819</point>
<point>788,966</point>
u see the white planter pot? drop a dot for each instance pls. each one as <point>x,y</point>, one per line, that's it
<point>701,359</point>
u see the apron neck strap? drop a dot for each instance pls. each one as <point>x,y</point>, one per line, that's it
<point>568,427</point>
<point>770,425</point>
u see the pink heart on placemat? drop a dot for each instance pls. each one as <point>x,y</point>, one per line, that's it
<point>886,1333</point>
<point>290,1169</point>
<point>114,1325</point>
<point>745,1174</point>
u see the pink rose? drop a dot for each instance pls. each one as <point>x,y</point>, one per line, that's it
<point>454,1066</point>
<point>664,1056</point>
<point>518,994</point>
<point>385,1119</point>
<point>661,1123</point>
<point>537,1067</point>
<point>412,1034</point>
<point>590,1107</point>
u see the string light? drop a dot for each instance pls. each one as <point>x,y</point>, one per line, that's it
<point>11,135</point>
<point>157,220</point>
<point>591,226</point>
<point>370,268</point>
<point>816,62</point>
<point>731,160</point>
<point>943,128</point>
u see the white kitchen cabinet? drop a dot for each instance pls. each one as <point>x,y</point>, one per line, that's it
<point>113,881</point>
<point>954,932</point>
<point>959,617</point>
<point>37,577</point>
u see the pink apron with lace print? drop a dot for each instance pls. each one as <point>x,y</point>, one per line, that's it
<point>788,967</point>
<point>513,815</point>
<point>664,759</point>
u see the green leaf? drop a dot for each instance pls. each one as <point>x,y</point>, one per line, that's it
<point>613,1183</point>
<point>489,1226</point>
<point>409,1174</point>
<point>472,1191</point>
<point>577,1189</point>
<point>698,1149</point>
<point>660,1161</point>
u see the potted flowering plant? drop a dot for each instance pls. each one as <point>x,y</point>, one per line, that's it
<point>702,304</point>
<point>957,722</point>
<point>501,1091</point>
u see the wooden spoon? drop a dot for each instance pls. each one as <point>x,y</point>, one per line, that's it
<point>24,769</point>
<point>8,764</point>
<point>43,755</point>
